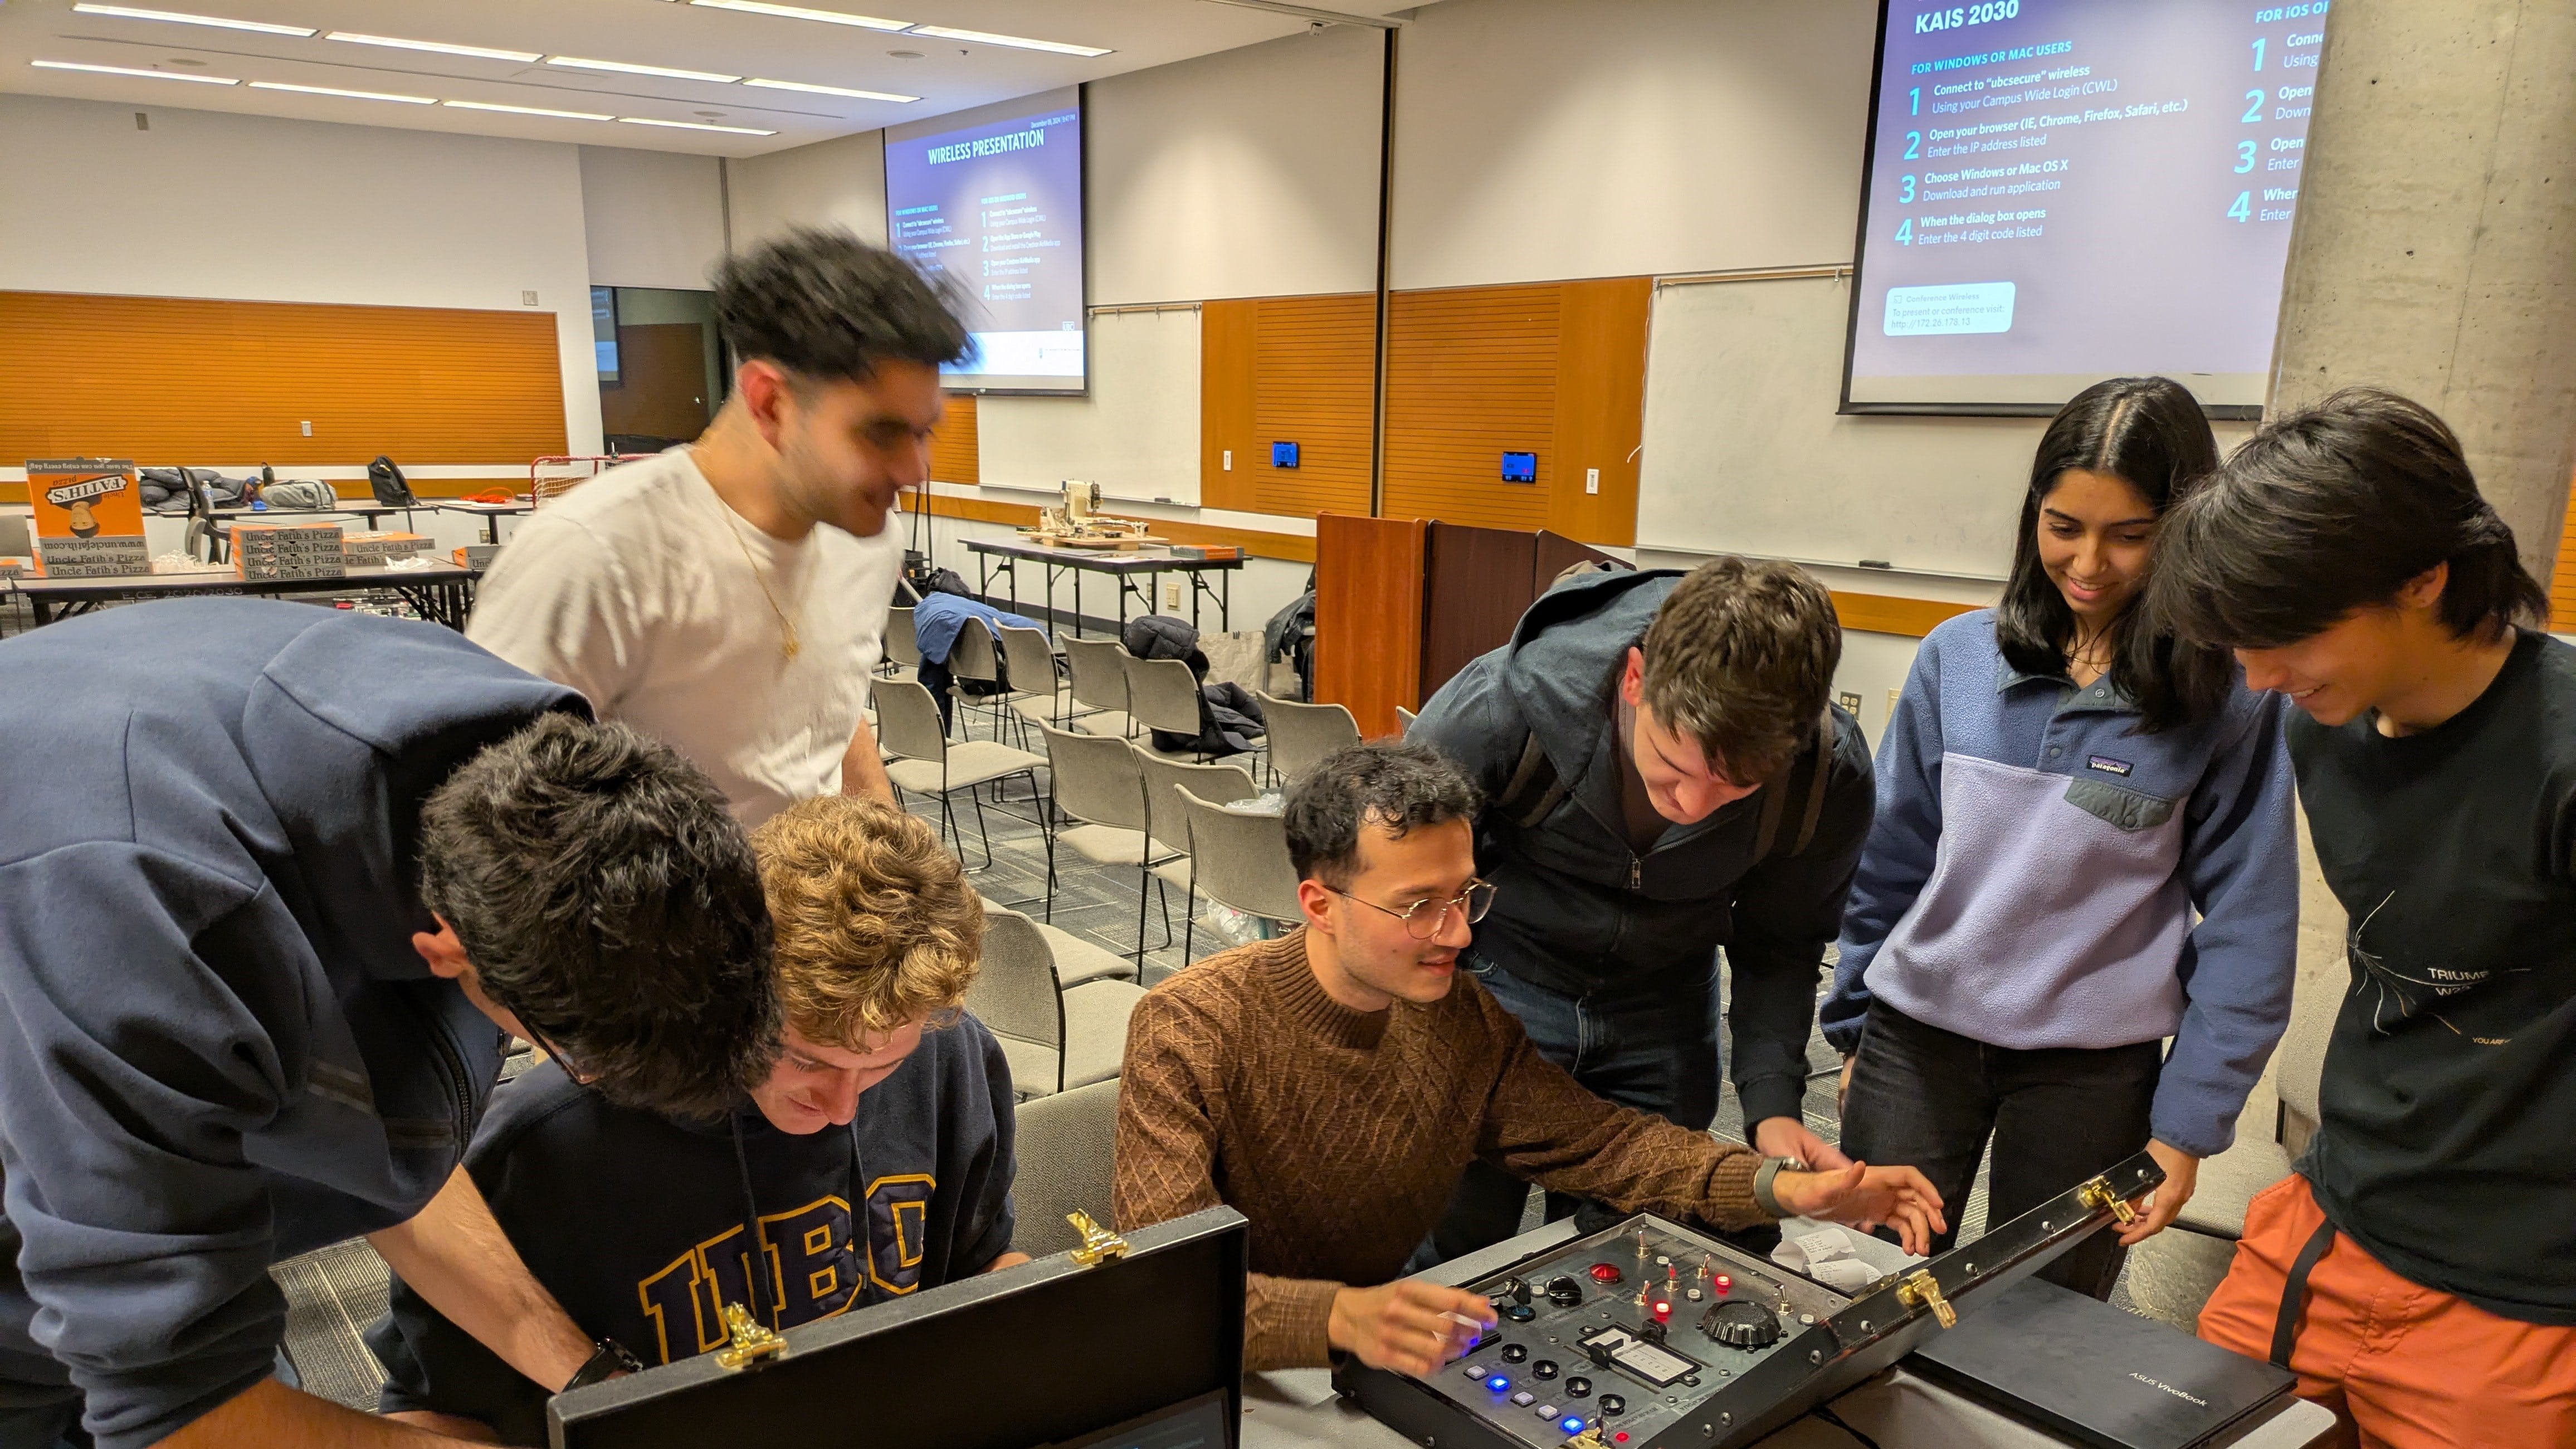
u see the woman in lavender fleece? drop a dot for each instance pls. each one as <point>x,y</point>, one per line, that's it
<point>2083,849</point>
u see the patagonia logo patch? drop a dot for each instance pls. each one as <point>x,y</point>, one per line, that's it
<point>2107,765</point>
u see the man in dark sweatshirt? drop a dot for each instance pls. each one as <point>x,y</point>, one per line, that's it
<point>274,881</point>
<point>1665,777</point>
<point>889,1096</point>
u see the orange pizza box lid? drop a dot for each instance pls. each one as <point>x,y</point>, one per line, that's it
<point>85,497</point>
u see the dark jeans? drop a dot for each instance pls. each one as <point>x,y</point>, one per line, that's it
<point>1930,1099</point>
<point>1654,1050</point>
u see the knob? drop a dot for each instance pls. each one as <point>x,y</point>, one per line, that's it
<point>1515,1352</point>
<point>1741,1325</point>
<point>1543,1369</point>
<point>1611,1404</point>
<point>1516,1289</point>
<point>1563,1291</point>
<point>1578,1387</point>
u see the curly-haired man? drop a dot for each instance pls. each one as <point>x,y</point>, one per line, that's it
<point>888,1100</point>
<point>730,597</point>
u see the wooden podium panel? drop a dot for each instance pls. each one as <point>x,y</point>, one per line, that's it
<point>1368,616</point>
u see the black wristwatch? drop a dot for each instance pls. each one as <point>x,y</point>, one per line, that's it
<point>608,1358</point>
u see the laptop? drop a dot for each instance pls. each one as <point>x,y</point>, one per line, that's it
<point>2099,1374</point>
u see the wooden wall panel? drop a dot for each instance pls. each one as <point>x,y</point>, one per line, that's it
<point>1368,617</point>
<point>1558,369</point>
<point>1229,335</point>
<point>955,454</point>
<point>1314,380</point>
<point>1601,407</point>
<point>1471,373</point>
<point>2562,582</point>
<point>1296,369</point>
<point>166,380</point>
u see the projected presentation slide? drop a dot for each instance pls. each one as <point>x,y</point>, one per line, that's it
<point>2061,191</point>
<point>997,205</point>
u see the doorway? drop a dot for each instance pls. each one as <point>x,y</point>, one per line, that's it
<point>661,373</point>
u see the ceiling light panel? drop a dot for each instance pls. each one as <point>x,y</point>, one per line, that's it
<point>1015,42</point>
<point>804,12</point>
<point>695,126</point>
<point>480,52</point>
<point>575,62</point>
<point>345,95</point>
<point>530,111</point>
<point>780,85</point>
<point>128,12</point>
<point>210,80</point>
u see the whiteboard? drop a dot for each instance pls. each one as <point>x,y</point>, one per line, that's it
<point>1136,434</point>
<point>1745,454</point>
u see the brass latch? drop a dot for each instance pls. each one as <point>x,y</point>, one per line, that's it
<point>1588,1439</point>
<point>1920,1291</point>
<point>751,1343</point>
<point>2097,1195</point>
<point>1099,1245</point>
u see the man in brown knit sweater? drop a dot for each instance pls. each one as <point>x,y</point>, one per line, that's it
<point>1332,1085</point>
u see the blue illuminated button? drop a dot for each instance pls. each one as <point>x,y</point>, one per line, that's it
<point>1572,1426</point>
<point>1498,1383</point>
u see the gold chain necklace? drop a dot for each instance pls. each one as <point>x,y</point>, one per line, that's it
<point>788,643</point>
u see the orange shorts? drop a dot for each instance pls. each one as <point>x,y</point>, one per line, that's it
<point>2404,1365</point>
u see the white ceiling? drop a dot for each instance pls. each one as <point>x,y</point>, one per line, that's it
<point>948,75</point>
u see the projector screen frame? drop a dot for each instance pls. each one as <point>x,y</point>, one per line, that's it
<point>2226,412</point>
<point>1082,184</point>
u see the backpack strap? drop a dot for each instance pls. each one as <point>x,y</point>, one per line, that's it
<point>1535,776</point>
<point>1818,764</point>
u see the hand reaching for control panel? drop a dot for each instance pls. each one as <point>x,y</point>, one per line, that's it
<point>1862,1196</point>
<point>1408,1326</point>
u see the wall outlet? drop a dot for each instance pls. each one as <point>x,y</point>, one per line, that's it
<point>1849,699</point>
<point>1171,594</point>
<point>308,427</point>
<point>1229,460</point>
<point>527,299</point>
<point>1591,480</point>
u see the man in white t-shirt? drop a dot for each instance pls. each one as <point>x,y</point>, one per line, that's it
<point>730,597</point>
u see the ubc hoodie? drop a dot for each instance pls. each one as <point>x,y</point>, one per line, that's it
<point>639,1224</point>
<point>218,1048</point>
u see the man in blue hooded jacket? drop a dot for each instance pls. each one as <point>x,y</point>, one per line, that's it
<point>1664,777</point>
<point>274,883</point>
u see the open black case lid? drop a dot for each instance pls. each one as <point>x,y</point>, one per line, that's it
<point>1047,1352</point>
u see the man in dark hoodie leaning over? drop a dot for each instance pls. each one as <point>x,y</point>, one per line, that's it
<point>274,881</point>
<point>1664,777</point>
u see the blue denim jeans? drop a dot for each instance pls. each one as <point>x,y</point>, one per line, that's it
<point>1655,1050</point>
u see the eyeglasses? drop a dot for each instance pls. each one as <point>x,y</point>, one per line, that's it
<point>1426,918</point>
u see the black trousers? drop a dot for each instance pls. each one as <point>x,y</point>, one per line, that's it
<point>1931,1099</point>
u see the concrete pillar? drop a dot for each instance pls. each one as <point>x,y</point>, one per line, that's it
<point>2434,251</point>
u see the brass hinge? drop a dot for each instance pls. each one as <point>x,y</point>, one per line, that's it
<point>752,1343</point>
<point>1921,1291</point>
<point>1099,1245</point>
<point>2098,1194</point>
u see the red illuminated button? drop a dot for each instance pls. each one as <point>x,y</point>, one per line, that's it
<point>1663,1309</point>
<point>1604,1273</point>
<point>1620,1438</point>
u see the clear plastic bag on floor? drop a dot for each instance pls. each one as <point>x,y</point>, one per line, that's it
<point>1237,928</point>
